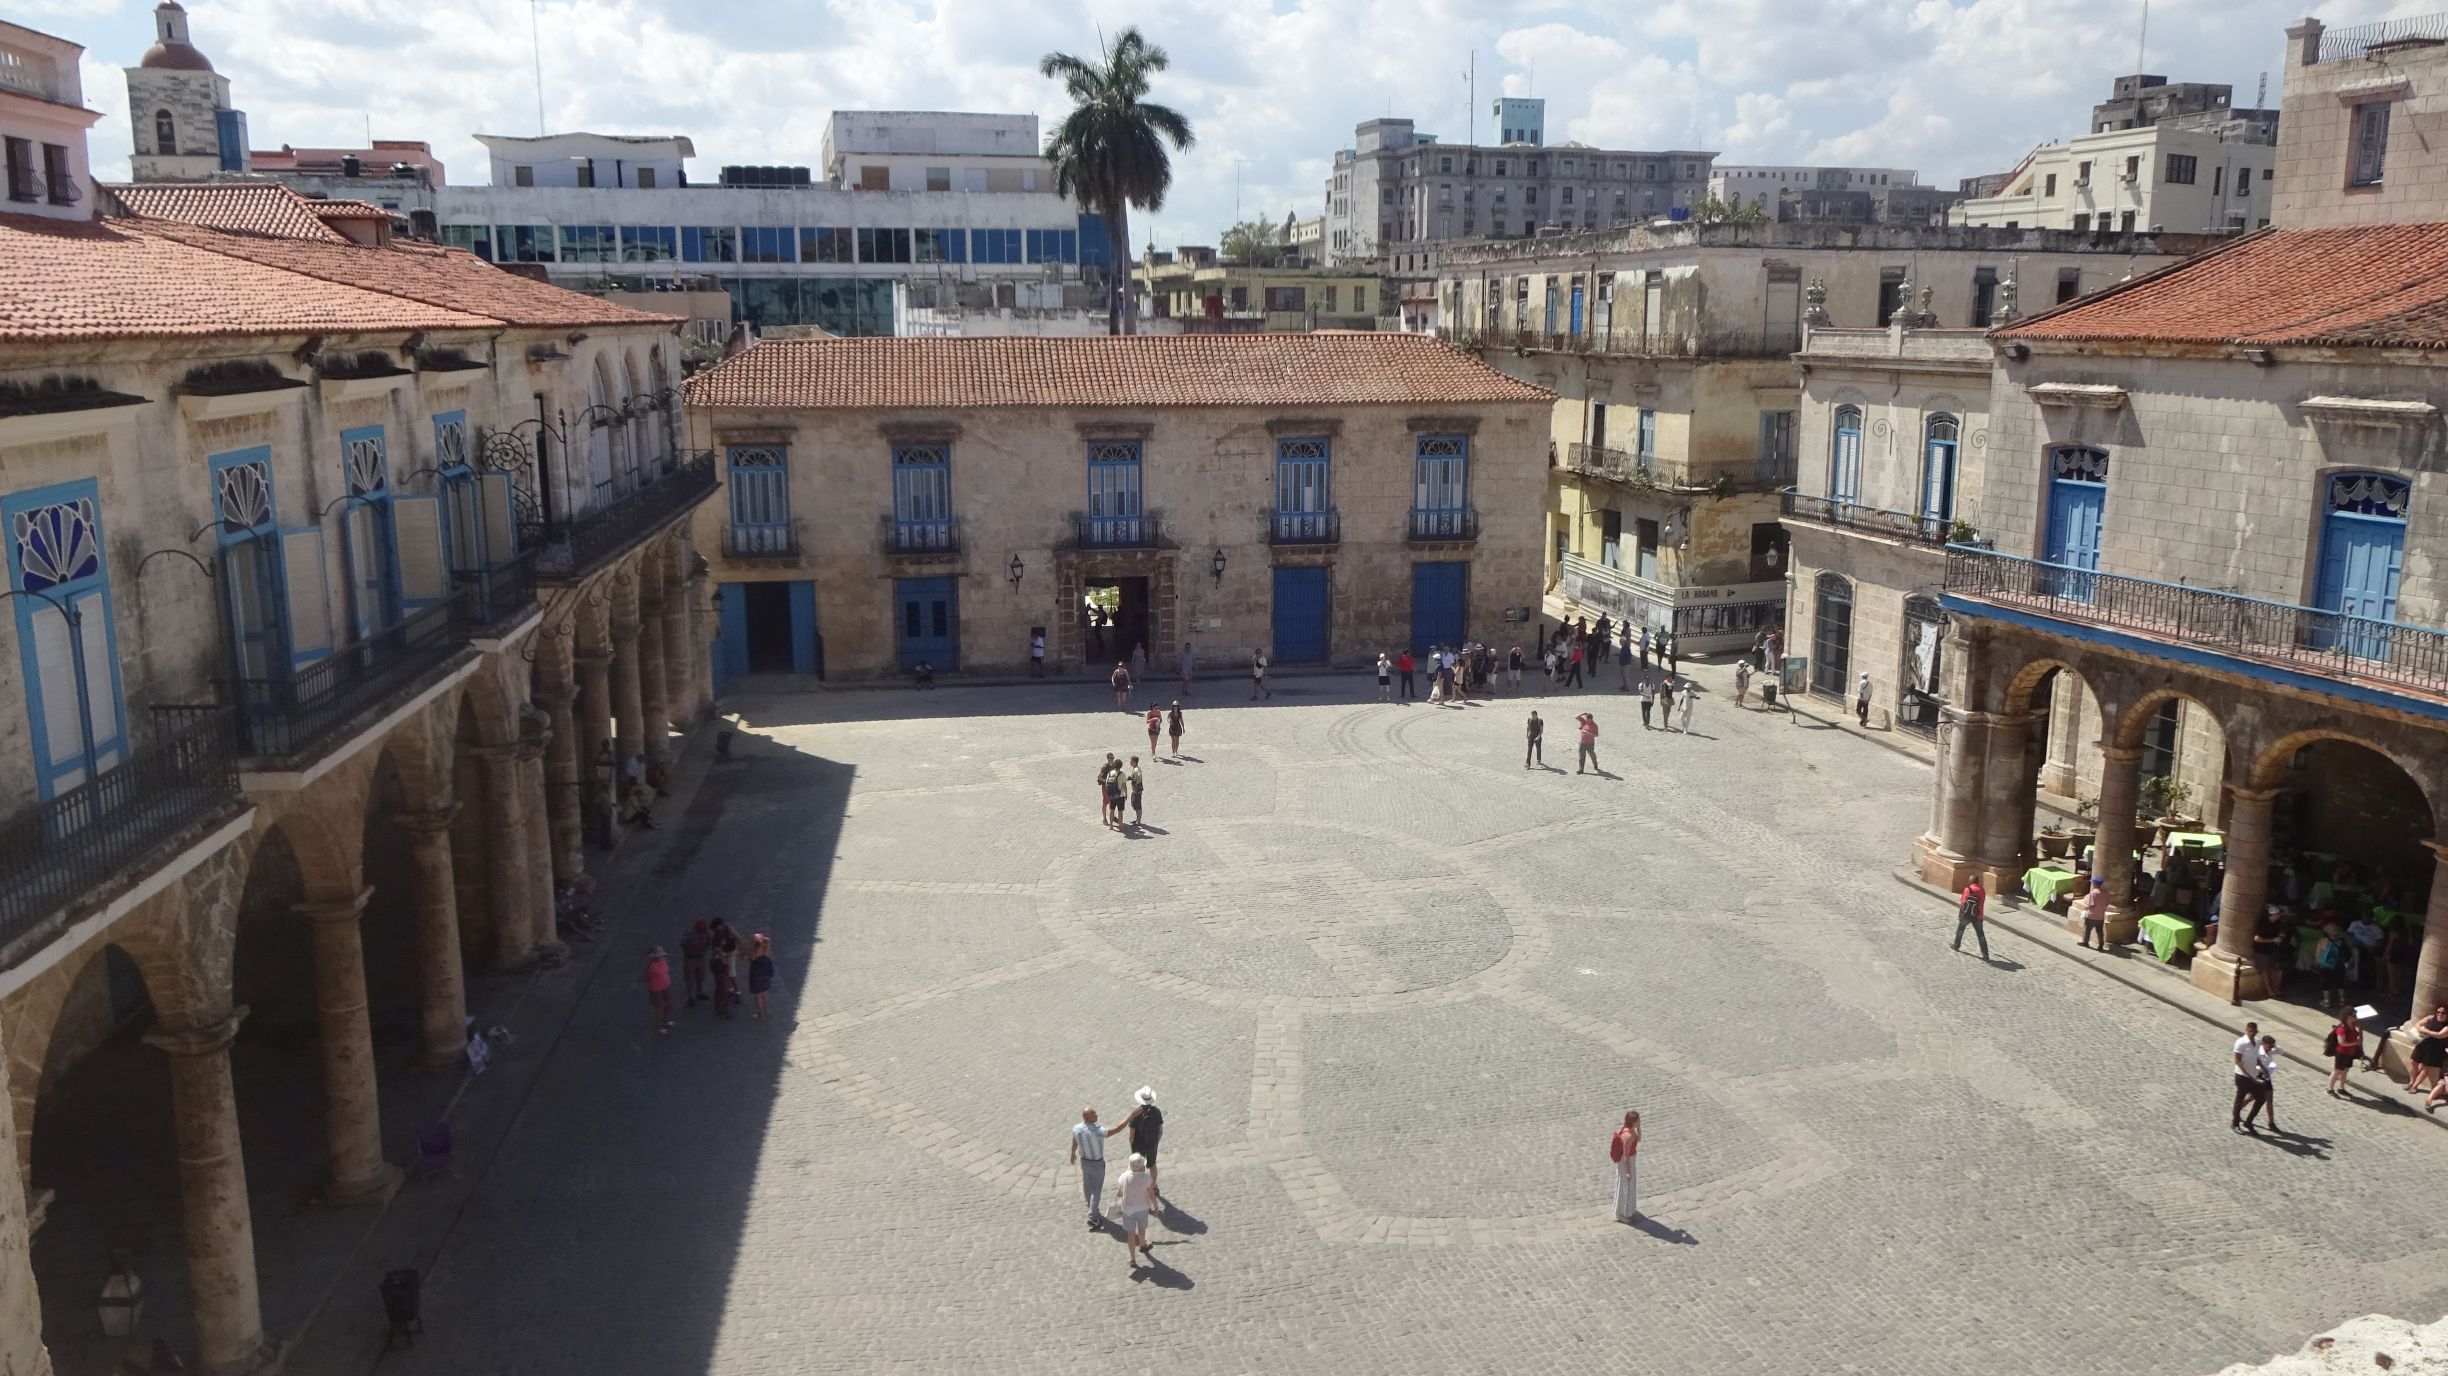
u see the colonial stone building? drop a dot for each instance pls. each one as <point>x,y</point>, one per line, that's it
<point>333,568</point>
<point>896,502</point>
<point>1670,349</point>
<point>2214,496</point>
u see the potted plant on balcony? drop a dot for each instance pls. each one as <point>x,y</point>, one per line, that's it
<point>2167,797</point>
<point>2052,842</point>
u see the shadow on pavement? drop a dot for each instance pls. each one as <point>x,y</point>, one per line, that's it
<point>1662,1233</point>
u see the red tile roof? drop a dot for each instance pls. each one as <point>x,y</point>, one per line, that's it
<point>346,210</point>
<point>2381,286</point>
<point>247,207</point>
<point>1328,368</point>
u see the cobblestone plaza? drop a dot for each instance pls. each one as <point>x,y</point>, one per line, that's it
<point>1394,990</point>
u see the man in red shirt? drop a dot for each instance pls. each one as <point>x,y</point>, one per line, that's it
<point>2095,913</point>
<point>1410,685</point>
<point>1589,744</point>
<point>1972,912</point>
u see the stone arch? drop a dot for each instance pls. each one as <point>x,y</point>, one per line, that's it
<point>2016,698</point>
<point>2134,715</point>
<point>30,1021</point>
<point>2268,765</point>
<point>419,752</point>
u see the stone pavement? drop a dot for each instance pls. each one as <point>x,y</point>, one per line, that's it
<point>1394,991</point>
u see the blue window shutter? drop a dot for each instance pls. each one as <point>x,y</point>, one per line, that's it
<point>306,580</point>
<point>731,648</point>
<point>424,567</point>
<point>803,627</point>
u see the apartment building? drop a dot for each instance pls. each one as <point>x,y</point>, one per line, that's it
<point>940,502</point>
<point>2188,174</point>
<point>2364,143</point>
<point>1670,349</point>
<point>1205,293</point>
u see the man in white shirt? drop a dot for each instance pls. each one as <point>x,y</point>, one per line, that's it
<point>1861,700</point>
<point>1088,1150</point>
<point>1036,655</point>
<point>2247,1058</point>
<point>2265,1090</point>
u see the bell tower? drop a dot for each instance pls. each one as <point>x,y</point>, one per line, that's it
<point>180,108</point>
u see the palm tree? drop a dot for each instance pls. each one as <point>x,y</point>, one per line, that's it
<point>1109,152</point>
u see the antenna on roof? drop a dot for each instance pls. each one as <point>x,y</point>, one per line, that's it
<point>535,35</point>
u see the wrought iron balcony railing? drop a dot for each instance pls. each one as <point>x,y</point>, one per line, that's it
<point>1304,527</point>
<point>2331,644</point>
<point>572,549</point>
<point>1445,523</point>
<point>1869,520</point>
<point>761,539</point>
<point>1145,531</point>
<point>295,715</point>
<point>52,851</point>
<point>499,596</point>
<point>917,539</point>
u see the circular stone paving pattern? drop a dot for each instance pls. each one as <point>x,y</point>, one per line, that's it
<point>1311,923</point>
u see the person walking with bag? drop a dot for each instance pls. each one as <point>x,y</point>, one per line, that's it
<point>1589,744</point>
<point>1622,1149</point>
<point>1648,700</point>
<point>1258,668</point>
<point>2343,1044</point>
<point>1973,912</point>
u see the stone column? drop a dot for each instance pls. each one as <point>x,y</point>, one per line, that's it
<point>352,1111</point>
<point>2228,971</point>
<point>541,936</point>
<point>2431,967</point>
<point>2113,856</point>
<point>595,735</point>
<point>507,849</point>
<point>680,641</point>
<point>21,1345</point>
<point>564,790</point>
<point>1945,854</point>
<point>442,1006</point>
<point>709,630</point>
<point>215,1224</point>
<point>628,725</point>
<point>654,706</point>
<point>2007,802</point>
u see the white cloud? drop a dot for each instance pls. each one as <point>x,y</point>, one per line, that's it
<point>1952,87</point>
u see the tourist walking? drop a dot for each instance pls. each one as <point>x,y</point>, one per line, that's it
<point>2246,1058</point>
<point>1104,799</point>
<point>1670,652</point>
<point>1644,653</point>
<point>1146,1125</point>
<point>760,970</point>
<point>1135,1192</point>
<point>1405,664</point>
<point>2265,1086</point>
<point>1513,666</point>
<point>1742,681</point>
<point>1138,784</point>
<point>1572,671</point>
<point>2430,1051</point>
<point>1121,684</point>
<point>1538,732</point>
<point>1385,677</point>
<point>658,987</point>
<point>1138,662</point>
<point>1589,744</point>
<point>2343,1044</point>
<point>1648,699</point>
<point>2095,913</point>
<point>1114,784</point>
<point>694,944</point>
<point>1691,696</point>
<point>1258,668</point>
<point>1155,726</point>
<point>1036,654</point>
<point>1861,699</point>
<point>1972,910</point>
<point>1088,1153</point>
<point>1622,1149</point>
<point>726,978</point>
<point>1185,664</point>
<point>1623,662</point>
<point>1173,727</point>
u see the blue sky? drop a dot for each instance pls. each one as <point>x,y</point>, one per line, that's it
<point>1950,88</point>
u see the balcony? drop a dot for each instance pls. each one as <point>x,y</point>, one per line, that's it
<point>499,597</point>
<point>761,540</point>
<point>570,550</point>
<point>2333,645</point>
<point>1932,531</point>
<point>295,717</point>
<point>1118,532</point>
<point>932,538</point>
<point>1431,524</point>
<point>52,852</point>
<point>1304,527</point>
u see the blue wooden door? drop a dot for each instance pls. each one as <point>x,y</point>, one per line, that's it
<point>2078,502</point>
<point>1300,616</point>
<point>1439,594</point>
<point>928,622</point>
<point>1576,308</point>
<point>2362,556</point>
<point>730,650</point>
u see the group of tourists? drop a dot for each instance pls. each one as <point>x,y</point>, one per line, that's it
<point>711,953</point>
<point>1135,1192</point>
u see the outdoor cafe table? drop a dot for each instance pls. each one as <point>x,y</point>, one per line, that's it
<point>2046,882</point>
<point>2167,934</point>
<point>2210,842</point>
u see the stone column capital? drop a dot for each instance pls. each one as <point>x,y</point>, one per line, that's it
<point>205,1038</point>
<point>2243,794</point>
<point>2120,754</point>
<point>592,661</point>
<point>334,910</point>
<point>432,821</point>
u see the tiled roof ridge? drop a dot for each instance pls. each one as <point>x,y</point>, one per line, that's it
<point>2010,329</point>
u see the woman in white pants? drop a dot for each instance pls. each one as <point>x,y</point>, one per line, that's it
<point>1623,1147</point>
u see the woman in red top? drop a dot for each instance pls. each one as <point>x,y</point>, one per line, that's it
<point>1622,1147</point>
<point>1155,724</point>
<point>2345,1043</point>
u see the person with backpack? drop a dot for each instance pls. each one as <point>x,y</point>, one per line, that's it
<point>2335,959</point>
<point>1972,911</point>
<point>2342,1045</point>
<point>1622,1148</point>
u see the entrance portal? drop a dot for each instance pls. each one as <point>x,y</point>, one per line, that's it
<point>769,627</point>
<point>1114,616</point>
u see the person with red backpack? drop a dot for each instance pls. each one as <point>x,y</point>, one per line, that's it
<point>1973,912</point>
<point>1621,1149</point>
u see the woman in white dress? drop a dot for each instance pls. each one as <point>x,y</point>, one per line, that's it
<point>1136,1193</point>
<point>1623,1147</point>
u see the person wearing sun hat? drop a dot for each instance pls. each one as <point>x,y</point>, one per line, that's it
<point>1146,1125</point>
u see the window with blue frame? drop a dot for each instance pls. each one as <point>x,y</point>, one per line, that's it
<point>1645,434</point>
<point>1052,245</point>
<point>760,499</point>
<point>994,246</point>
<point>768,244</point>
<point>1938,469</point>
<point>463,505</point>
<point>524,244</point>
<point>247,530</point>
<point>940,245</point>
<point>1440,498</point>
<point>649,243</point>
<point>67,644</point>
<point>365,530</point>
<point>1845,456</point>
<point>1114,510</point>
<point>1304,488</point>
<point>589,244</point>
<point>883,245</point>
<point>831,244</point>
<point>922,496</point>
<point>709,244</point>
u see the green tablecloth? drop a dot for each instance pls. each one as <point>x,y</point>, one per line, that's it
<point>2307,944</point>
<point>2325,894</point>
<point>2210,841</point>
<point>2387,917</point>
<point>2046,882</point>
<point>2167,934</point>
